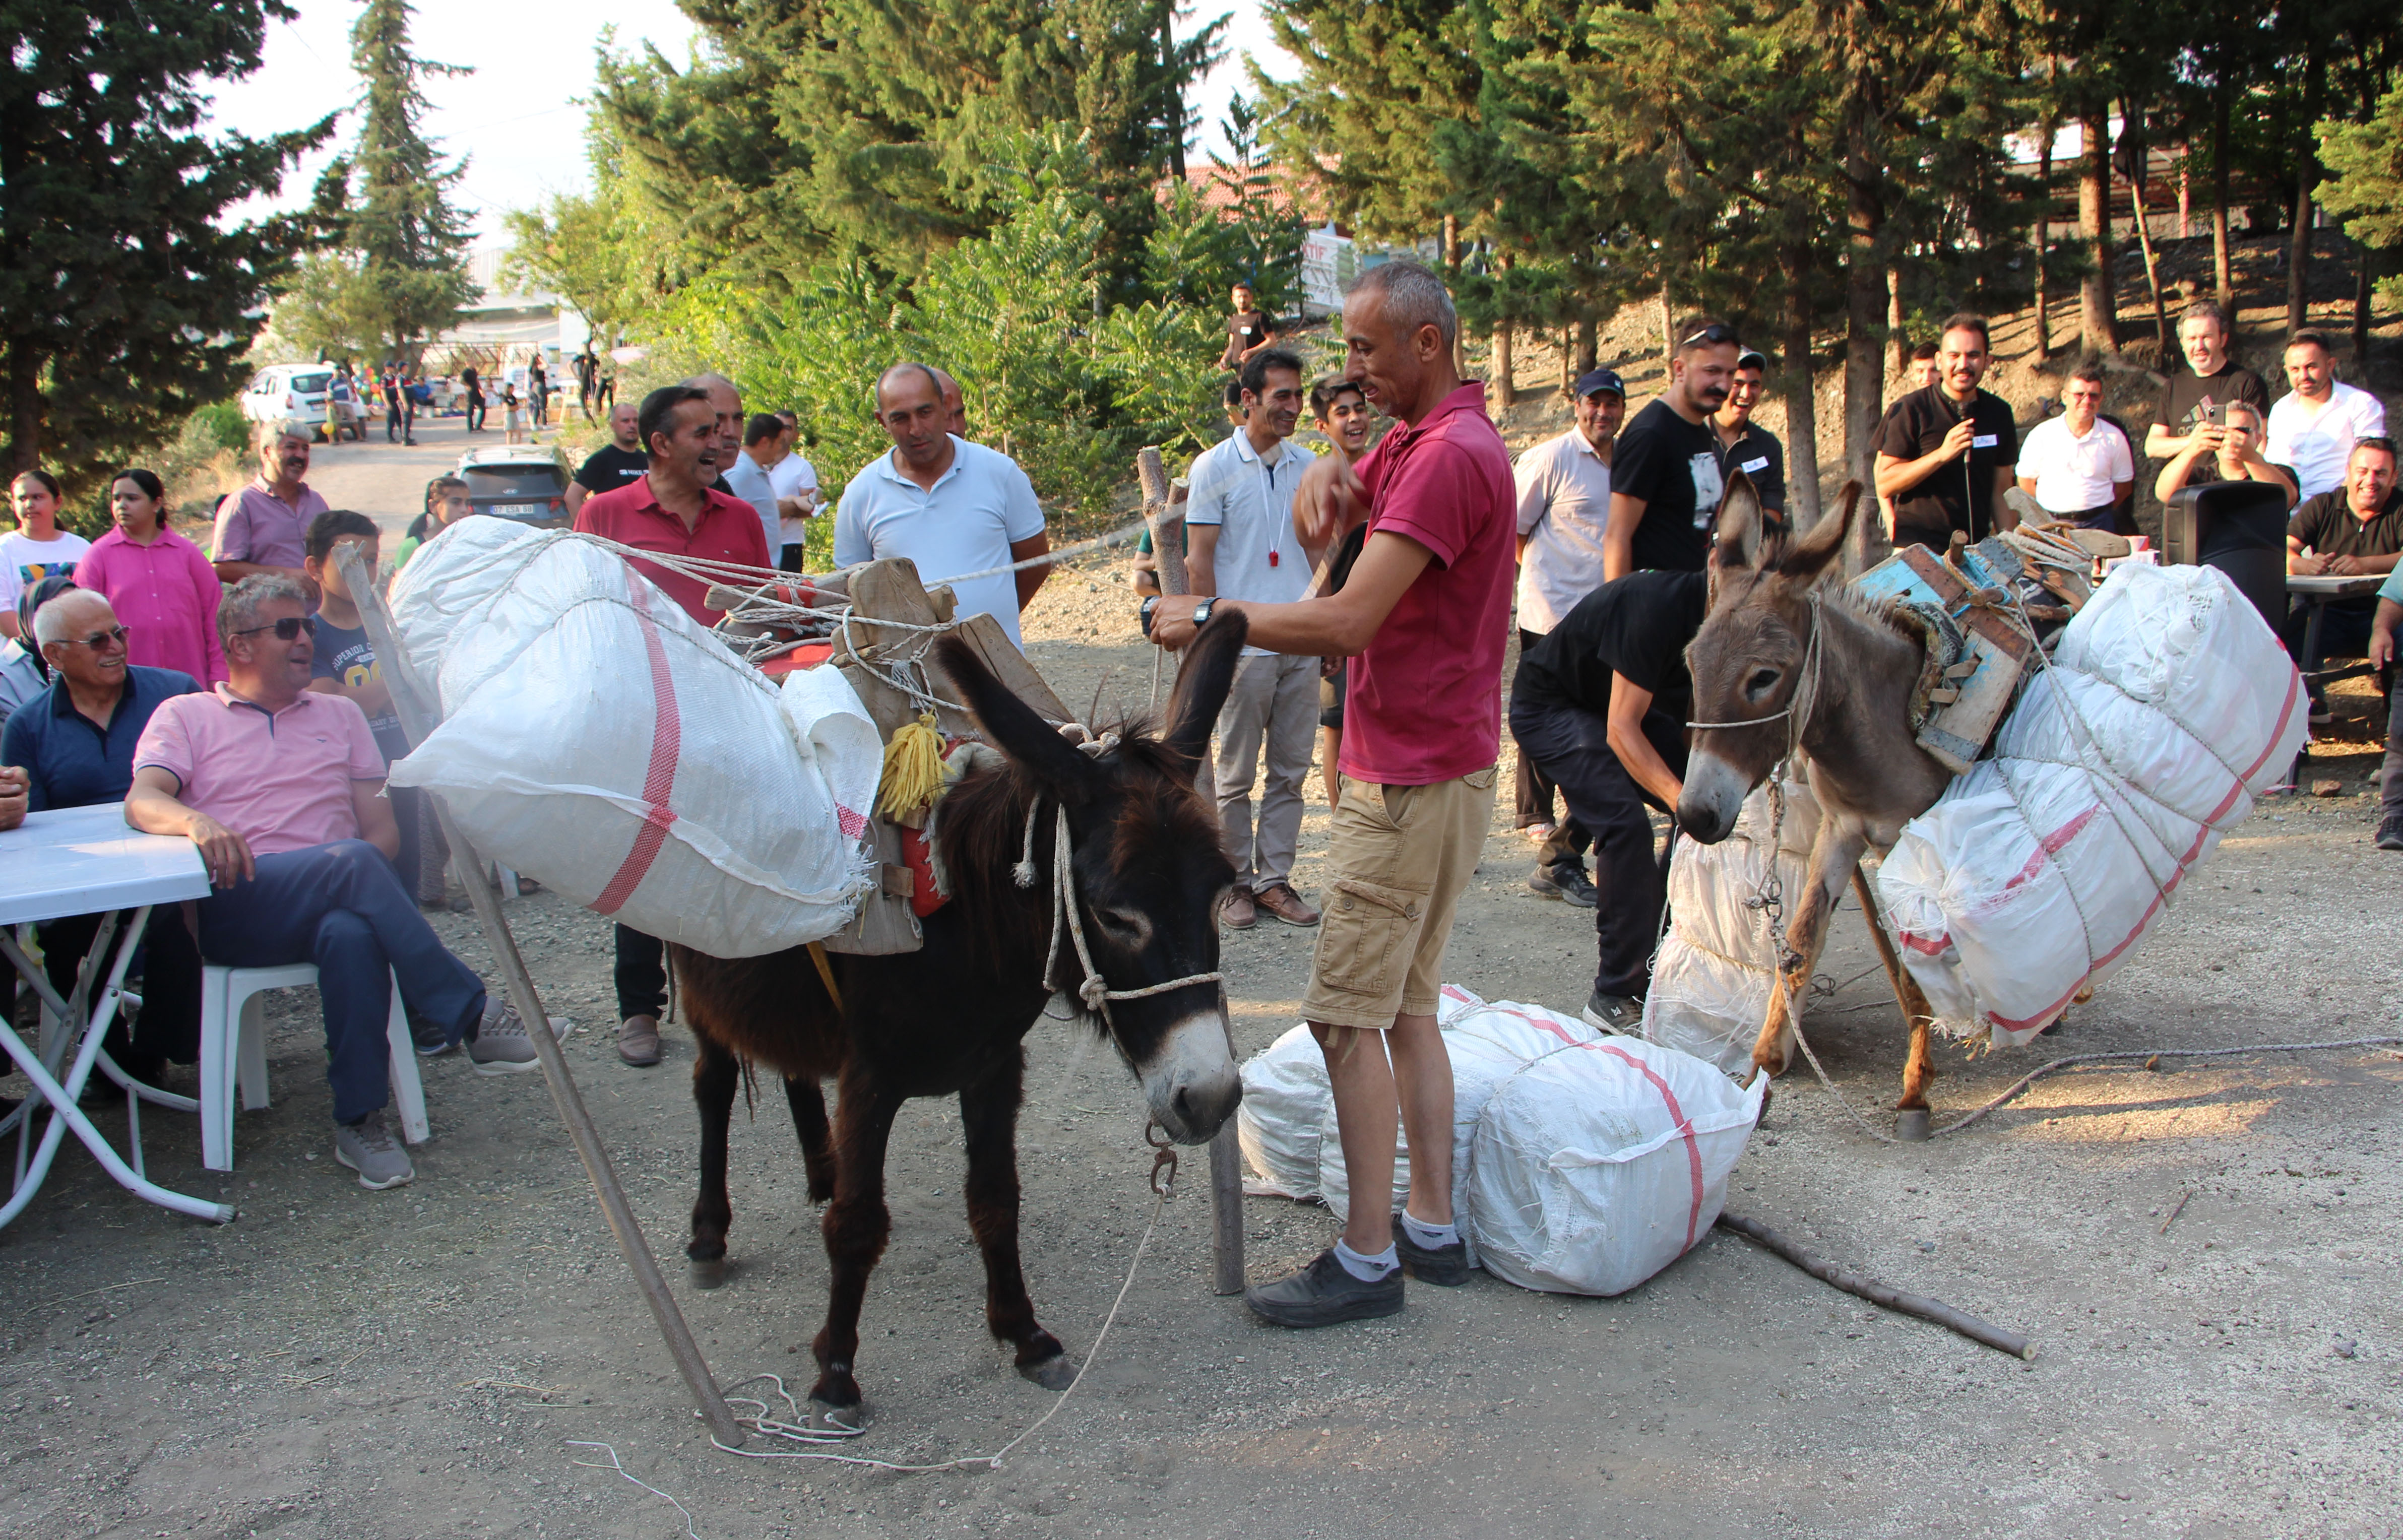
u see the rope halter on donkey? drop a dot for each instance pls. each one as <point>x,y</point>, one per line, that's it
<point>1068,913</point>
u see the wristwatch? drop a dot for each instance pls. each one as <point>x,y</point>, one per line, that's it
<point>1202,611</point>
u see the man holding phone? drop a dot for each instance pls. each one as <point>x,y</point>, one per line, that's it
<point>2196,397</point>
<point>1945,454</point>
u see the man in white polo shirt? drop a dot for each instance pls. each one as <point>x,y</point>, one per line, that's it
<point>2313,428</point>
<point>951,506</point>
<point>1242,544</point>
<point>1564,487</point>
<point>2076,466</point>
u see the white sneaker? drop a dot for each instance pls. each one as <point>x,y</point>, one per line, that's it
<point>368,1148</point>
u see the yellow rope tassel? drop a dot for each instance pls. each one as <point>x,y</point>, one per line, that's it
<point>913,770</point>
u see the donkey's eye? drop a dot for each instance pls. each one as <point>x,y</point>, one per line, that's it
<point>1128,927</point>
<point>1761,681</point>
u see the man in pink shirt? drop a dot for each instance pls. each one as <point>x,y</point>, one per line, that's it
<point>1425,620</point>
<point>281,790</point>
<point>262,529</point>
<point>670,509</point>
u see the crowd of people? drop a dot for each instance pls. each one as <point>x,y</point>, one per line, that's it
<point>233,697</point>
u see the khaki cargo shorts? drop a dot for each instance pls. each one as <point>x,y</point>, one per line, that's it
<point>1398,861</point>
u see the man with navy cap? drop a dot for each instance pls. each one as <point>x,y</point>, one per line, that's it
<point>1564,487</point>
<point>1745,445</point>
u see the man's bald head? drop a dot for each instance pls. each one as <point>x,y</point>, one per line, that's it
<point>726,405</point>
<point>900,384</point>
<point>74,614</point>
<point>955,401</point>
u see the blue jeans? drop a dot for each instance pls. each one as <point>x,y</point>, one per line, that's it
<point>339,907</point>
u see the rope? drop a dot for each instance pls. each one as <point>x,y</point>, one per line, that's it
<point>796,1430</point>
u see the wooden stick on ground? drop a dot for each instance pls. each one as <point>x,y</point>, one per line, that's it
<point>415,706</point>
<point>1878,1293</point>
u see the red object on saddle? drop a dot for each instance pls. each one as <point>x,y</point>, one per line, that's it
<point>808,655</point>
<point>923,899</point>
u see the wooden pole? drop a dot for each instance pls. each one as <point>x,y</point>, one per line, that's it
<point>1163,507</point>
<point>1878,1293</point>
<point>415,706</point>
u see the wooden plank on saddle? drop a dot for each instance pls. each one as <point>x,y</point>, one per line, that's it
<point>1958,729</point>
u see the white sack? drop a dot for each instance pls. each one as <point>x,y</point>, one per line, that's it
<point>2169,707</point>
<point>1712,975</point>
<point>595,737</point>
<point>1596,1166</point>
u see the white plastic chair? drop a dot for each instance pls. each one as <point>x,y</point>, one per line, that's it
<point>233,1049</point>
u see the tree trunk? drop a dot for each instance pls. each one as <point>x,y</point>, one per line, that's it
<point>2307,177</point>
<point>2223,273</point>
<point>1896,338</point>
<point>25,409</point>
<point>1801,396</point>
<point>1505,388</point>
<point>1176,104</point>
<point>2098,319</point>
<point>2152,267</point>
<point>2043,239</point>
<point>2186,196</point>
<point>1586,342</point>
<point>1452,279</point>
<point>2363,258</point>
<point>1668,326</point>
<point>1864,298</point>
<point>1568,360</point>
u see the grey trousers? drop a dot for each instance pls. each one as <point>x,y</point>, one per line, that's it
<point>1273,705</point>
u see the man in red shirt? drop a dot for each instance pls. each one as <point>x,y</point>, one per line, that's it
<point>672,510</point>
<point>1425,618</point>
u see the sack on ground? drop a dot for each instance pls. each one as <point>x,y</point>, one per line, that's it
<point>1712,978</point>
<point>2171,706</point>
<point>596,738</point>
<point>1596,1166</point>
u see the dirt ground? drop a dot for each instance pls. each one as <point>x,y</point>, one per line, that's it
<point>425,1361</point>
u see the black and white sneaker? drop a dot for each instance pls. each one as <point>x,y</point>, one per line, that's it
<point>1322,1294</point>
<point>1619,1013</point>
<point>2390,832</point>
<point>1445,1267</point>
<point>1569,885</point>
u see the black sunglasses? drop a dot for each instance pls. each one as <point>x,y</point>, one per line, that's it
<point>286,629</point>
<point>99,641</point>
<point>1715,333</point>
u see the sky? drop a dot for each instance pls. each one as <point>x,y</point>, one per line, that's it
<point>518,119</point>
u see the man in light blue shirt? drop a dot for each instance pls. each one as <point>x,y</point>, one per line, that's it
<point>951,506</point>
<point>1242,544</point>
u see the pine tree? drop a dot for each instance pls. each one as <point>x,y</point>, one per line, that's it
<point>397,275</point>
<point>123,291</point>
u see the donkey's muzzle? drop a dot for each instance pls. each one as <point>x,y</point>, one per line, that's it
<point>1192,1086</point>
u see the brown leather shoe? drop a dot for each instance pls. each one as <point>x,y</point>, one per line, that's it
<point>1238,912</point>
<point>1281,902</point>
<point>638,1040</point>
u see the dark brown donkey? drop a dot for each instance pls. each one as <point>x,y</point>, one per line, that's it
<point>951,1020</point>
<point>1788,657</point>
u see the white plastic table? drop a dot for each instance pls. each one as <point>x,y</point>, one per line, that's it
<point>76,861</point>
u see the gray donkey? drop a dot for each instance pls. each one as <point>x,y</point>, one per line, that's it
<point>1788,659</point>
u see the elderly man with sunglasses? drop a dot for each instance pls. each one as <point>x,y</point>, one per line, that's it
<point>75,744</point>
<point>281,789</point>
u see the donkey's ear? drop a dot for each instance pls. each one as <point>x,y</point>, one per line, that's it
<point>1202,681</point>
<point>1066,770</point>
<point>1806,559</point>
<point>1741,528</point>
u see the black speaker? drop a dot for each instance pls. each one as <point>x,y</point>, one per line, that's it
<point>2239,527</point>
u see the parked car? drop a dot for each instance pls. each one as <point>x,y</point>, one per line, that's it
<point>521,481</point>
<point>289,393</point>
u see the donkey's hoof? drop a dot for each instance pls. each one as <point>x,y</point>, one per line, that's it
<point>1055,1373</point>
<point>1766,1096</point>
<point>710,1273</point>
<point>1910,1125</point>
<point>829,1421</point>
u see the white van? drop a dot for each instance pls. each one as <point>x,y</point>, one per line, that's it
<point>289,393</point>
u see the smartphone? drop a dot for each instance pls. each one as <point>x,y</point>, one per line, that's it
<point>2213,413</point>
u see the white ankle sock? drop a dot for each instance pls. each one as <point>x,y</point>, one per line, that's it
<point>1432,1237</point>
<point>1369,1270</point>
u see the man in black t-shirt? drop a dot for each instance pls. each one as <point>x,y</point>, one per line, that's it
<point>2355,531</point>
<point>1945,455</point>
<point>2210,378</point>
<point>1601,704</point>
<point>614,464</point>
<point>1665,479</point>
<point>1248,330</point>
<point>1745,445</point>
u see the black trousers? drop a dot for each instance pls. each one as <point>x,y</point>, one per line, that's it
<point>1533,801</point>
<point>169,964</point>
<point>474,414</point>
<point>640,974</point>
<point>2389,772</point>
<point>1571,745</point>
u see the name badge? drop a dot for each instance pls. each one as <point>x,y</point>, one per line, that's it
<point>1749,467</point>
<point>1985,442</point>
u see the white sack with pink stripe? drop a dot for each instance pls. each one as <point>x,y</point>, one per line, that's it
<point>2169,707</point>
<point>596,738</point>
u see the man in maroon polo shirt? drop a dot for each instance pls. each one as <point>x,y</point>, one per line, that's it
<point>670,509</point>
<point>1425,618</point>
